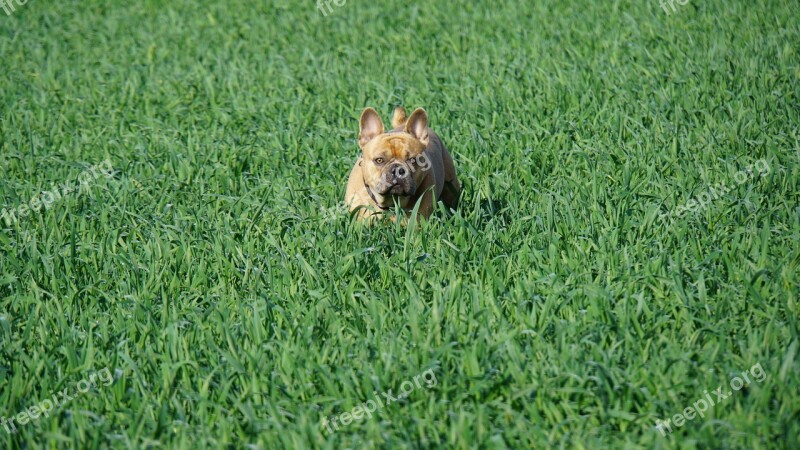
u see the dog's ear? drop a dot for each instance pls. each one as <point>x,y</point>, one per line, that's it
<point>370,126</point>
<point>417,125</point>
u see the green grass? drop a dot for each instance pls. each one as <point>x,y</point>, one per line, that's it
<point>216,275</point>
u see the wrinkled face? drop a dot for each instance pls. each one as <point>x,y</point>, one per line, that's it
<point>393,164</point>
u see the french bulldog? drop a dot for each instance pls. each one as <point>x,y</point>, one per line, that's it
<point>400,167</point>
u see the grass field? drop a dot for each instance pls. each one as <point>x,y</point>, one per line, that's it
<point>627,240</point>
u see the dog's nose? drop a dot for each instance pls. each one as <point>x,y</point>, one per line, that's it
<point>399,171</point>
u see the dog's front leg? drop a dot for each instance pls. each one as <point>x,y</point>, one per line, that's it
<point>426,204</point>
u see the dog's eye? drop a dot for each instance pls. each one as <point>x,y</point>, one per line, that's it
<point>379,161</point>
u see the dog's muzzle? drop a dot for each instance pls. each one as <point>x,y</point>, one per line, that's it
<point>397,180</point>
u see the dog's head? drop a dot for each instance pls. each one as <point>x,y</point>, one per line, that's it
<point>393,163</point>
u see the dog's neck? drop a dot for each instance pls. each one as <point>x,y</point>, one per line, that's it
<point>372,196</point>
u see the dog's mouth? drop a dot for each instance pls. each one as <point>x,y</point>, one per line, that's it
<point>397,190</point>
<point>398,193</point>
